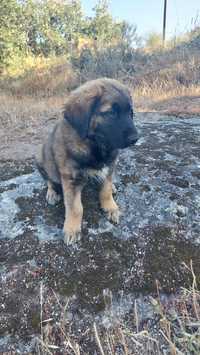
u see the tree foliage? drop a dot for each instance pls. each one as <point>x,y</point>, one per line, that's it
<point>12,35</point>
<point>154,41</point>
<point>56,27</point>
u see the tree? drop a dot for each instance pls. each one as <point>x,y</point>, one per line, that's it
<point>52,27</point>
<point>154,41</point>
<point>12,36</point>
<point>57,27</point>
<point>129,34</point>
<point>102,26</point>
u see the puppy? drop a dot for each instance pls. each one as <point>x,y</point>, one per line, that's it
<point>97,122</point>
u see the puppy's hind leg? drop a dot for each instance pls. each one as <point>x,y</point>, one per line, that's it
<point>52,196</point>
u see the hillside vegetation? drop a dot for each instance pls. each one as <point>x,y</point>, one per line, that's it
<point>50,47</point>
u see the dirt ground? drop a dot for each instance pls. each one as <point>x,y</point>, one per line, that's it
<point>158,184</point>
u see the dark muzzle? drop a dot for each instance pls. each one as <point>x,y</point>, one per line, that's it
<point>132,139</point>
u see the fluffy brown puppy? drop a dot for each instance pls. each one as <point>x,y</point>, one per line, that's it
<point>98,121</point>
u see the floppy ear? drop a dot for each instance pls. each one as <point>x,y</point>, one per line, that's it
<point>79,108</point>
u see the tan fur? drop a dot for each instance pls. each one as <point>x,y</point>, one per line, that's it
<point>59,166</point>
<point>73,211</point>
<point>107,202</point>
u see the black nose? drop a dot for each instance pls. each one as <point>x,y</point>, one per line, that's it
<point>133,139</point>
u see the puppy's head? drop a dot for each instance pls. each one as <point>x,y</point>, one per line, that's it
<point>102,111</point>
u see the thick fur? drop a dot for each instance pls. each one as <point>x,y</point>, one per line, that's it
<point>98,121</point>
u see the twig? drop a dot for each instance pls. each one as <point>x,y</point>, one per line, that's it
<point>194,287</point>
<point>98,340</point>
<point>136,316</point>
<point>173,347</point>
<point>41,311</point>
<point>123,341</point>
<point>44,346</point>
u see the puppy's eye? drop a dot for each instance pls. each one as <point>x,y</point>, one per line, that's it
<point>112,112</point>
<point>109,113</point>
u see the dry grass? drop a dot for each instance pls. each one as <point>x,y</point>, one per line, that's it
<point>171,75</point>
<point>44,82</point>
<point>27,110</point>
<point>180,99</point>
<point>154,79</point>
<point>174,329</point>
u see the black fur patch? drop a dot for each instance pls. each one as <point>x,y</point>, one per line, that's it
<point>57,187</point>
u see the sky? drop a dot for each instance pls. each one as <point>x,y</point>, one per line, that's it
<point>147,15</point>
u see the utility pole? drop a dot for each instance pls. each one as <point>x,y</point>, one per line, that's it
<point>164,21</point>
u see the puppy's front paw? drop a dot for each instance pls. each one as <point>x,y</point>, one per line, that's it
<point>113,215</point>
<point>52,197</point>
<point>72,233</point>
<point>111,208</point>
